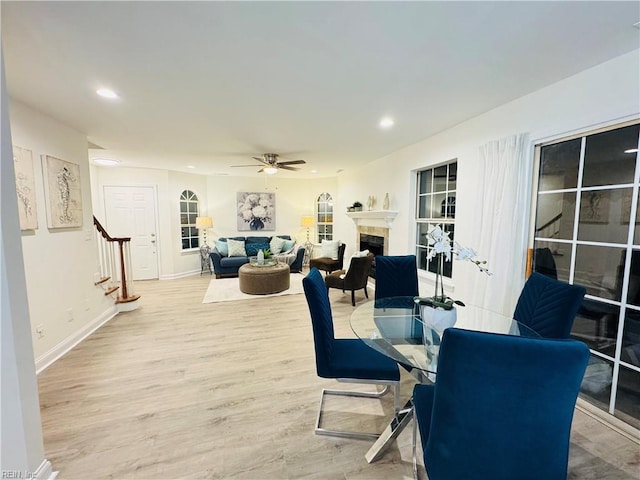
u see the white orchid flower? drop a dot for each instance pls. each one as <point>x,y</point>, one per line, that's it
<point>464,253</point>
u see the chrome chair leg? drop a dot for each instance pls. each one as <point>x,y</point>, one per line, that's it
<point>349,393</point>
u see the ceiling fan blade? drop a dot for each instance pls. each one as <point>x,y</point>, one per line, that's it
<point>252,165</point>
<point>261,170</point>
<point>284,167</point>
<point>261,160</point>
<point>292,162</point>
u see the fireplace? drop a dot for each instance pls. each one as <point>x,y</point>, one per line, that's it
<point>375,244</point>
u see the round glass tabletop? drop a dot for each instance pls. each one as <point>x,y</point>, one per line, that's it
<point>410,333</point>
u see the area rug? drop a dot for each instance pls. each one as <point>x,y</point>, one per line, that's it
<point>228,290</point>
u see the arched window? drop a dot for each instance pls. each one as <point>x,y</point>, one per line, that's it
<point>324,217</point>
<point>189,210</point>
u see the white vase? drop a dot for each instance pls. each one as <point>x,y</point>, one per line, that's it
<point>385,202</point>
<point>438,318</point>
<point>260,257</point>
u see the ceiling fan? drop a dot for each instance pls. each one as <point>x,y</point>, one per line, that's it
<point>271,163</point>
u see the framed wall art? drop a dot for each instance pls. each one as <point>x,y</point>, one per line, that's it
<point>595,206</point>
<point>25,188</point>
<point>256,211</point>
<point>62,192</point>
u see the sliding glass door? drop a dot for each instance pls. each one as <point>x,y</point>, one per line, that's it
<point>587,232</point>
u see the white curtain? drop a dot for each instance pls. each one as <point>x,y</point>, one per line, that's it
<point>502,222</point>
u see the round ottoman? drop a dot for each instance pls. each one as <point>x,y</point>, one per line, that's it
<point>264,280</point>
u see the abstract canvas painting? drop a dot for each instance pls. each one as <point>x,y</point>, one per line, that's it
<point>256,211</point>
<point>63,192</point>
<point>25,188</point>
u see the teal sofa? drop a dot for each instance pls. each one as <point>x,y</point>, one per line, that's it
<point>225,266</point>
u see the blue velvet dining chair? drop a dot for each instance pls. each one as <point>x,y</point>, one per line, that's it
<point>345,359</point>
<point>501,407</point>
<point>548,306</point>
<point>396,276</point>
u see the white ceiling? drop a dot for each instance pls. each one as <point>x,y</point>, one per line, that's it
<point>211,84</point>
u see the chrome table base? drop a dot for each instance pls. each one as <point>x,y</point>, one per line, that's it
<point>397,425</point>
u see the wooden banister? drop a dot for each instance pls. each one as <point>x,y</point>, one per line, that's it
<point>106,236</point>
<point>121,241</point>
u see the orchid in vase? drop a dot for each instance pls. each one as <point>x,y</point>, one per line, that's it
<point>442,250</point>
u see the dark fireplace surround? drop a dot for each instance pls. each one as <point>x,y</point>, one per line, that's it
<point>375,245</point>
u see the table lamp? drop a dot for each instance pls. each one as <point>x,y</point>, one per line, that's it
<point>204,223</point>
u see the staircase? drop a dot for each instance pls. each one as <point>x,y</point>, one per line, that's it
<point>115,261</point>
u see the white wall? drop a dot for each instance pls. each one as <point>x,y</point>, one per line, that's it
<point>605,94</point>
<point>217,194</point>
<point>59,263</point>
<point>295,197</point>
<point>21,446</point>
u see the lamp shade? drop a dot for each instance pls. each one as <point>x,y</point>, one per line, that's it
<point>307,221</point>
<point>204,222</point>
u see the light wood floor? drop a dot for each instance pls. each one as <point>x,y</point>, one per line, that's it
<point>178,389</point>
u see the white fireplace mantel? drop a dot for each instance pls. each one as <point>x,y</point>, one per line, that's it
<point>368,217</point>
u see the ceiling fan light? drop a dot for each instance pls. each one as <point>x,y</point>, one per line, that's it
<point>270,170</point>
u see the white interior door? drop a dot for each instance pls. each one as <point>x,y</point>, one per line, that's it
<point>131,212</point>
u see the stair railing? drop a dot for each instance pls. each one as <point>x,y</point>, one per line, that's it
<point>114,254</point>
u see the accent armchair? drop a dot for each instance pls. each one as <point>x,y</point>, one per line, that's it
<point>328,264</point>
<point>501,408</point>
<point>355,278</point>
<point>345,359</point>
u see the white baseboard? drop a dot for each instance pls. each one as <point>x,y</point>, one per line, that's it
<point>609,420</point>
<point>45,471</point>
<point>174,276</point>
<point>47,358</point>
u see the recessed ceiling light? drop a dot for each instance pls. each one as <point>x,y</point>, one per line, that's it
<point>190,166</point>
<point>107,93</point>
<point>631,150</point>
<point>106,162</point>
<point>386,122</point>
<point>314,171</point>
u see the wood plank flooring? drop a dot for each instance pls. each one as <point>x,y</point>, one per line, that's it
<point>183,390</point>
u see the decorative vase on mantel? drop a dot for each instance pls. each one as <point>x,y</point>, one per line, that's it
<point>385,202</point>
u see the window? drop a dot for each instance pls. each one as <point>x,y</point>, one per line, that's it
<point>435,205</point>
<point>587,232</point>
<point>324,217</point>
<point>188,213</point>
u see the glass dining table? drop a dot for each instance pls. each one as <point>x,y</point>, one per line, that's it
<point>402,329</point>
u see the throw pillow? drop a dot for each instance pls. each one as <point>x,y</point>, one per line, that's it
<point>276,244</point>
<point>288,246</point>
<point>329,248</point>
<point>236,248</point>
<point>252,248</point>
<point>222,247</point>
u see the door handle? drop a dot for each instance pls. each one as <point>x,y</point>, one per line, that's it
<point>153,241</point>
